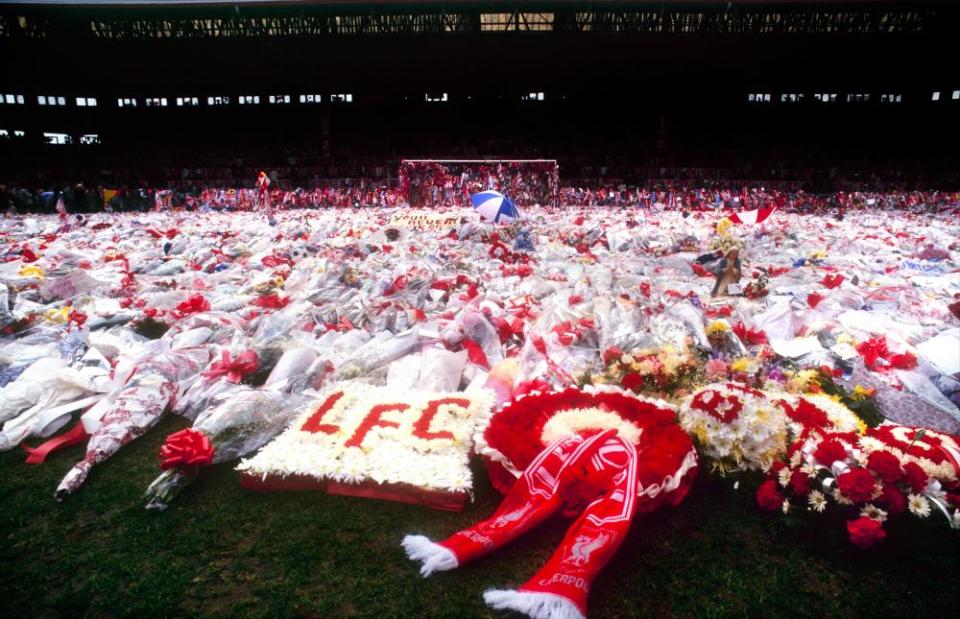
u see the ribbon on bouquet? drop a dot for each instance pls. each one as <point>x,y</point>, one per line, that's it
<point>600,472</point>
<point>233,369</point>
<point>74,436</point>
<point>51,419</point>
<point>186,448</point>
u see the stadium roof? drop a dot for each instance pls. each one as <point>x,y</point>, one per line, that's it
<point>505,3</point>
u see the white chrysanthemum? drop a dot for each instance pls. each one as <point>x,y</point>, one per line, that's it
<point>786,506</point>
<point>873,512</point>
<point>839,498</point>
<point>784,476</point>
<point>387,454</point>
<point>918,505</point>
<point>817,501</point>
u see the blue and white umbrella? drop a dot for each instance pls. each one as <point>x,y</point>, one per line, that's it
<point>494,206</point>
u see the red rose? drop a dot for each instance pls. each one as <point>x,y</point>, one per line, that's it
<point>895,501</point>
<point>767,496</point>
<point>829,452</point>
<point>865,532</point>
<point>800,483</point>
<point>885,465</point>
<point>916,476</point>
<point>632,381</point>
<point>857,485</point>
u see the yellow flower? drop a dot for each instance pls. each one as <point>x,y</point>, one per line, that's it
<point>723,225</point>
<point>861,393</point>
<point>58,316</point>
<point>861,426</point>
<point>845,338</point>
<point>670,364</point>
<point>718,326</point>
<point>32,270</point>
<point>742,364</point>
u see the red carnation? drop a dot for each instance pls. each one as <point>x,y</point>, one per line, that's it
<point>808,415</point>
<point>632,381</point>
<point>829,452</point>
<point>857,485</point>
<point>611,354</point>
<point>865,532</point>
<point>800,483</point>
<point>767,496</point>
<point>885,465</point>
<point>895,501</point>
<point>916,476</point>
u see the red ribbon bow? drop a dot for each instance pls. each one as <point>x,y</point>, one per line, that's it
<point>233,369</point>
<point>193,305</point>
<point>271,301</point>
<point>878,357</point>
<point>832,280</point>
<point>187,448</point>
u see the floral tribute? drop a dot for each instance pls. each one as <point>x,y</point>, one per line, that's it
<point>369,441</point>
<point>651,371</point>
<point>883,472</point>
<point>515,435</point>
<point>601,453</point>
<point>736,427</point>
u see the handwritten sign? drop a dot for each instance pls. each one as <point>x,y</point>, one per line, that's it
<point>420,220</point>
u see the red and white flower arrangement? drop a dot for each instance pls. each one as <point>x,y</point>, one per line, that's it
<point>885,472</point>
<point>737,427</point>
<point>358,434</point>
<point>515,436</point>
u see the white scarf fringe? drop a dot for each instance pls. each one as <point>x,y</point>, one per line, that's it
<point>435,557</point>
<point>535,605</point>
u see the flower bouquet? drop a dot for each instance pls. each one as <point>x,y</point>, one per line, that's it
<point>737,427</point>
<point>146,395</point>
<point>757,288</point>
<point>661,372</point>
<point>235,425</point>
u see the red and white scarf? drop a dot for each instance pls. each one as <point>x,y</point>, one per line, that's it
<point>600,471</point>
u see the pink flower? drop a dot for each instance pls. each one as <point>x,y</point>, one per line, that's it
<point>716,369</point>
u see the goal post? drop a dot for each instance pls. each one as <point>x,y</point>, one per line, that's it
<point>431,183</point>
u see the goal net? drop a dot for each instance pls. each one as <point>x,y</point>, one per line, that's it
<point>450,182</point>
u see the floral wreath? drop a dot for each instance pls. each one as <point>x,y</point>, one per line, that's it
<point>515,435</point>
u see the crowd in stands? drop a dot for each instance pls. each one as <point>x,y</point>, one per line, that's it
<point>81,198</point>
<point>363,175</point>
<point>432,183</point>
